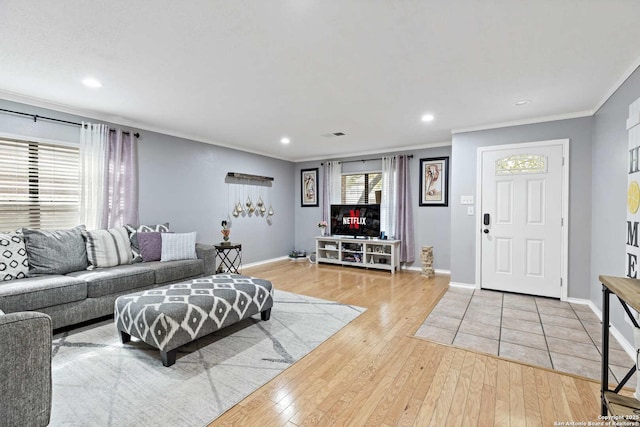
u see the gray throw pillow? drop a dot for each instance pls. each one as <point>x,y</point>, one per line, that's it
<point>55,252</point>
<point>133,236</point>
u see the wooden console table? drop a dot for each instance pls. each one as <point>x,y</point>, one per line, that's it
<point>628,293</point>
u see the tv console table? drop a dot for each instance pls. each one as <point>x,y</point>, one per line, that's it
<point>368,253</point>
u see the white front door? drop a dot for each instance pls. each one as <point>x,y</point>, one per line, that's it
<point>521,217</point>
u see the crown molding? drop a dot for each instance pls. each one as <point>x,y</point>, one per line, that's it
<point>553,118</point>
<point>379,151</point>
<point>634,66</point>
<point>121,121</point>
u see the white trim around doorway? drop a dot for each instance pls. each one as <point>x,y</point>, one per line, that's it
<point>564,266</point>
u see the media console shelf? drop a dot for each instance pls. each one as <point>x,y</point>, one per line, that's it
<point>368,253</point>
<point>628,293</point>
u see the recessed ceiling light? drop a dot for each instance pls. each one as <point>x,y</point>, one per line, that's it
<point>428,118</point>
<point>522,102</point>
<point>285,140</point>
<point>91,82</point>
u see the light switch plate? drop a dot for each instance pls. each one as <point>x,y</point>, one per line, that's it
<point>466,200</point>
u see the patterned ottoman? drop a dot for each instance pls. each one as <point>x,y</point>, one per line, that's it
<point>173,315</point>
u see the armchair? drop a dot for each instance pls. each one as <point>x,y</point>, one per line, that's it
<point>25,369</point>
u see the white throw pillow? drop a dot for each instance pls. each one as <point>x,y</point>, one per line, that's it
<point>14,263</point>
<point>177,246</point>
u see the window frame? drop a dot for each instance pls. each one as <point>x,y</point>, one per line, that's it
<point>366,184</point>
<point>37,170</point>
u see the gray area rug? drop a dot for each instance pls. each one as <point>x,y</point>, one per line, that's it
<point>97,381</point>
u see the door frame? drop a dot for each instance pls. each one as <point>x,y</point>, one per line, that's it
<point>564,250</point>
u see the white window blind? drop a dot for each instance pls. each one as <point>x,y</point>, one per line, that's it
<point>39,185</point>
<point>360,188</point>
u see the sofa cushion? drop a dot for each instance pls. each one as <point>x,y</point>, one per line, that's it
<point>105,281</point>
<point>108,248</point>
<point>33,293</point>
<point>176,270</point>
<point>13,257</point>
<point>55,252</point>
<point>133,236</point>
<point>178,246</point>
<point>150,243</point>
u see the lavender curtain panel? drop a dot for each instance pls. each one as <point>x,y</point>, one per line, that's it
<point>122,180</point>
<point>404,212</point>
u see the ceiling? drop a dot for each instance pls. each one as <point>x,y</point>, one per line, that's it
<point>245,73</point>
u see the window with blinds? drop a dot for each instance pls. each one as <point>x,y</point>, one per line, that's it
<point>39,185</point>
<point>360,188</point>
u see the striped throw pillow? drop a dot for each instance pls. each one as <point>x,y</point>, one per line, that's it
<point>108,248</point>
<point>176,246</point>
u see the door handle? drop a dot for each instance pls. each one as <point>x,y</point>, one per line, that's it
<point>485,231</point>
<point>486,219</point>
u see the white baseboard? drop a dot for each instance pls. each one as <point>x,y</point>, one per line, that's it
<point>628,348</point>
<point>435,270</point>
<point>462,285</point>
<point>266,261</point>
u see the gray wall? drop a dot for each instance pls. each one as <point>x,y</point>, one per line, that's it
<point>609,183</point>
<point>431,224</point>
<point>183,182</point>
<point>463,172</point>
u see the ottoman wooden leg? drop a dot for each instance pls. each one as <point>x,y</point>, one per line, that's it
<point>168,357</point>
<point>265,315</point>
<point>124,337</point>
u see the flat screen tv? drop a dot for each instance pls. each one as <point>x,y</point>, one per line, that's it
<point>355,220</point>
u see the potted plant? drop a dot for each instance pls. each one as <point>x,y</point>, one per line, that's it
<point>322,225</point>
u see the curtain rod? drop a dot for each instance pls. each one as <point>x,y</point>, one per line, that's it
<point>36,117</point>
<point>365,160</point>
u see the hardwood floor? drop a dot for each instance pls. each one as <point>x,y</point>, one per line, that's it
<point>373,372</point>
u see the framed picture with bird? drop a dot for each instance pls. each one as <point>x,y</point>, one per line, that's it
<point>434,181</point>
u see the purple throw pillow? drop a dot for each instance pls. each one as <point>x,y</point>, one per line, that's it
<point>150,244</point>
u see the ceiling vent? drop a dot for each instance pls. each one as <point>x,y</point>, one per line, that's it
<point>334,134</point>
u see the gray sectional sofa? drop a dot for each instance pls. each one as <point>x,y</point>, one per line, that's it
<point>83,295</point>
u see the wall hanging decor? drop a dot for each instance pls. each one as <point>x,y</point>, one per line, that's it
<point>309,187</point>
<point>434,181</point>
<point>248,200</point>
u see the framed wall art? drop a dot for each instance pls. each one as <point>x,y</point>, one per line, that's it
<point>434,181</point>
<point>309,187</point>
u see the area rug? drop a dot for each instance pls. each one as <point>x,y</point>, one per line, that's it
<point>538,331</point>
<point>98,381</point>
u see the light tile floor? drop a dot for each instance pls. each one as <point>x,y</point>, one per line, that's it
<point>538,331</point>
